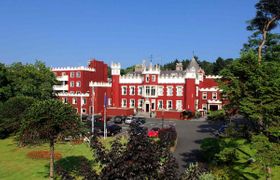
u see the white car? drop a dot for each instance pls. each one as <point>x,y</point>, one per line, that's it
<point>128,120</point>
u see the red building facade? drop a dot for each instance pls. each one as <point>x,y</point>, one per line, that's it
<point>74,86</point>
<point>151,90</point>
<point>148,89</point>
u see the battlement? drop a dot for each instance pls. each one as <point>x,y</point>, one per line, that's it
<point>213,77</point>
<point>80,68</point>
<point>100,84</point>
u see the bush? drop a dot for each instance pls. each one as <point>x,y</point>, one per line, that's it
<point>168,135</point>
<point>43,155</point>
<point>219,115</point>
<point>188,114</point>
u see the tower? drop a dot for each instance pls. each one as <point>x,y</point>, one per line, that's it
<point>115,70</point>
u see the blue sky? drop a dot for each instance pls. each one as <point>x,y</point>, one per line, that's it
<point>70,32</point>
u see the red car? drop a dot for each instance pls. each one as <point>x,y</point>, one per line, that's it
<point>153,132</point>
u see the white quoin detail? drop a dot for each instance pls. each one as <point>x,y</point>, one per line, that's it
<point>115,68</point>
<point>171,80</point>
<point>99,84</point>
<point>209,89</point>
<point>81,68</point>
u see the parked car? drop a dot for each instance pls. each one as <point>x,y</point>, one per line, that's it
<point>139,119</point>
<point>153,132</point>
<point>119,119</point>
<point>112,129</point>
<point>128,120</point>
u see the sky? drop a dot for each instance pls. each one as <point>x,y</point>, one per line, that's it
<point>71,32</point>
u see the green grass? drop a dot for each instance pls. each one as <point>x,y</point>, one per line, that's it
<point>240,168</point>
<point>14,164</point>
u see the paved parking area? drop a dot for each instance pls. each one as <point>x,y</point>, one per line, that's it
<point>190,135</point>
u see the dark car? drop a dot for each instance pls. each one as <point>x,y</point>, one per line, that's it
<point>119,119</point>
<point>112,129</point>
<point>139,120</point>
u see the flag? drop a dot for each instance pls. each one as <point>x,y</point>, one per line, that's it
<point>105,100</point>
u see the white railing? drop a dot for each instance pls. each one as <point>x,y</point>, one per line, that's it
<point>62,78</point>
<point>60,87</point>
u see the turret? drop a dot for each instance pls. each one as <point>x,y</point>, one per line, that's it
<point>116,71</point>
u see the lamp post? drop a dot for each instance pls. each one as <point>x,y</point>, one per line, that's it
<point>162,119</point>
<point>92,112</point>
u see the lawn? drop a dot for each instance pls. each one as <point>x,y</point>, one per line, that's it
<point>14,164</point>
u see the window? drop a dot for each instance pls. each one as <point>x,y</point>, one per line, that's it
<point>78,92</point>
<point>109,101</point>
<point>147,78</point>
<point>169,91</point>
<point>65,100</point>
<point>169,104</point>
<point>140,103</point>
<point>71,92</point>
<point>153,90</point>
<point>179,104</point>
<point>84,101</point>
<point>153,105</point>
<point>72,74</point>
<point>131,90</point>
<point>160,104</point>
<point>140,90</point>
<point>132,103</point>
<point>179,91</point>
<point>63,74</point>
<point>204,107</point>
<point>214,95</point>
<point>72,84</point>
<point>74,100</point>
<point>123,102</point>
<point>124,90</point>
<point>84,111</point>
<point>204,95</point>
<point>153,78</point>
<point>78,84</point>
<point>78,74</point>
<point>160,91</point>
<point>148,90</point>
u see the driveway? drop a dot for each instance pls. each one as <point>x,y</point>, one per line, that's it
<point>190,134</point>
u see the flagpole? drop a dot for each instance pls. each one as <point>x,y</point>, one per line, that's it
<point>105,128</point>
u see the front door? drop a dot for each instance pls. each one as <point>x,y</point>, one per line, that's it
<point>147,107</point>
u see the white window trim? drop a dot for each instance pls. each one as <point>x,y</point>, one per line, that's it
<point>74,100</point>
<point>78,84</point>
<point>162,90</point>
<point>167,91</point>
<point>154,78</point>
<point>159,104</point>
<point>72,84</point>
<point>169,108</point>
<point>72,74</point>
<point>140,87</point>
<point>130,87</point>
<point>204,107</point>
<point>123,102</point>
<point>147,78</point>
<point>177,105</point>
<point>84,109</point>
<point>177,92</point>
<point>130,104</point>
<point>139,103</point>
<point>216,94</point>
<point>204,95</point>
<point>123,90</point>
<point>78,74</point>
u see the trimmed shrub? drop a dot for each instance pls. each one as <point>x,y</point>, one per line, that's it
<point>168,135</point>
<point>43,155</point>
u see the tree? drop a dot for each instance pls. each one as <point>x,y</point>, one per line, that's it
<point>30,80</point>
<point>253,90</point>
<point>267,153</point>
<point>267,16</point>
<point>271,48</point>
<point>12,113</point>
<point>46,121</point>
<point>5,90</point>
<point>140,158</point>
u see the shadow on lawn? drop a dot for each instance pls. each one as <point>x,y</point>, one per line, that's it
<point>72,165</point>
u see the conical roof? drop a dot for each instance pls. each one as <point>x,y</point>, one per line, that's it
<point>193,64</point>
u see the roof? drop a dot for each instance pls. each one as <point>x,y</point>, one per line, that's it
<point>194,64</point>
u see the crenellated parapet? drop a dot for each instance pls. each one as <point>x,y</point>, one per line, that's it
<point>213,77</point>
<point>168,79</point>
<point>130,79</point>
<point>100,84</point>
<point>115,68</point>
<point>151,70</point>
<point>80,68</point>
<point>72,94</point>
<point>210,89</point>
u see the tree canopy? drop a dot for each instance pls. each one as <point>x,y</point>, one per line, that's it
<point>48,120</point>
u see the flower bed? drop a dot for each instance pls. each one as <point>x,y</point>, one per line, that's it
<point>43,155</point>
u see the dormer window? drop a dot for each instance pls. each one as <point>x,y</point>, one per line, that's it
<point>147,78</point>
